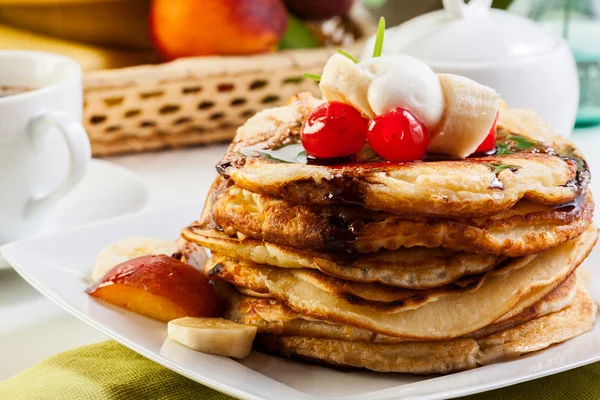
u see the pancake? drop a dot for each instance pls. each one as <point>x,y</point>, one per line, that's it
<point>273,317</point>
<point>441,357</point>
<point>375,296</point>
<point>449,317</point>
<point>542,332</point>
<point>526,228</point>
<point>556,300</point>
<point>414,268</point>
<point>266,157</point>
<point>252,293</point>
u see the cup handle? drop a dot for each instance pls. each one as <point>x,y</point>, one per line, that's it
<point>459,9</point>
<point>80,155</point>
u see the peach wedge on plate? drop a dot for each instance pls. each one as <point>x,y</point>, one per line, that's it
<point>159,287</point>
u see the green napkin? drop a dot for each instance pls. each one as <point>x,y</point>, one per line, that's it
<point>102,371</point>
<point>107,371</point>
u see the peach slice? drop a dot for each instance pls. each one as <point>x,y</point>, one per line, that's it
<point>158,287</point>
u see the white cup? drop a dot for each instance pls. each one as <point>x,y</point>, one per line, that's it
<point>44,149</point>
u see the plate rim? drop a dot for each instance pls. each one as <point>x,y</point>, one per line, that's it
<point>11,249</point>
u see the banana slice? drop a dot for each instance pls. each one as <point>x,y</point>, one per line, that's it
<point>468,117</point>
<point>213,336</point>
<point>128,248</point>
<point>344,81</point>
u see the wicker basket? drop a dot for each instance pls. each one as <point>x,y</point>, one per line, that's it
<point>191,101</point>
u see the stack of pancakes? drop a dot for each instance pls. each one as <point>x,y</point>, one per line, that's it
<point>420,267</point>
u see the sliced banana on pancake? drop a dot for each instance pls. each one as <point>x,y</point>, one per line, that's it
<point>127,249</point>
<point>468,117</point>
<point>344,81</point>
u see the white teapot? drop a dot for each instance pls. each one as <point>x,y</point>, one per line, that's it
<point>529,67</point>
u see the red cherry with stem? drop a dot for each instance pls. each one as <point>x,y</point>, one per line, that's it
<point>489,143</point>
<point>398,136</point>
<point>334,130</point>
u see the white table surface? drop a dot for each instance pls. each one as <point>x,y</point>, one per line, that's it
<point>33,328</point>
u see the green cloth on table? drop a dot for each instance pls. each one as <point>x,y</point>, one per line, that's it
<point>108,370</point>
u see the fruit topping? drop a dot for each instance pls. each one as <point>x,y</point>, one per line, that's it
<point>158,287</point>
<point>398,136</point>
<point>413,110</point>
<point>334,130</point>
<point>469,114</point>
<point>489,143</point>
<point>184,28</point>
<point>344,81</point>
<point>213,336</point>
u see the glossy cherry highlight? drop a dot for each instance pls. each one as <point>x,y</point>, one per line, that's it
<point>398,136</point>
<point>334,130</point>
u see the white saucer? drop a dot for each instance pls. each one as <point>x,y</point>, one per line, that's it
<point>106,191</point>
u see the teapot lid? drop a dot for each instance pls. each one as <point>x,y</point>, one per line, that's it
<point>466,33</point>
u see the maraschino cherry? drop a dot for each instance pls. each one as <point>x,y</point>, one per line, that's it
<point>334,130</point>
<point>398,136</point>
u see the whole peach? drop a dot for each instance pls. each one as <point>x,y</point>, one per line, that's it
<point>185,28</point>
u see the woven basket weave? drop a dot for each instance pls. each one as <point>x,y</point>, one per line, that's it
<point>191,101</point>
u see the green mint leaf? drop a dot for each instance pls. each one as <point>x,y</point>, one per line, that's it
<point>293,153</point>
<point>502,150</point>
<point>522,142</point>
<point>302,157</point>
<point>501,167</point>
<point>314,77</point>
<point>580,163</point>
<point>349,56</point>
<point>378,48</point>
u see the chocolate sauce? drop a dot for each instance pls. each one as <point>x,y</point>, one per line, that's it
<point>222,167</point>
<point>572,206</point>
<point>484,153</point>
<point>215,271</point>
<point>582,176</point>
<point>346,191</point>
<point>342,232</point>
<point>511,143</point>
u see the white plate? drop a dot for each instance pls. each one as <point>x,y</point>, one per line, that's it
<point>94,199</point>
<point>57,266</point>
